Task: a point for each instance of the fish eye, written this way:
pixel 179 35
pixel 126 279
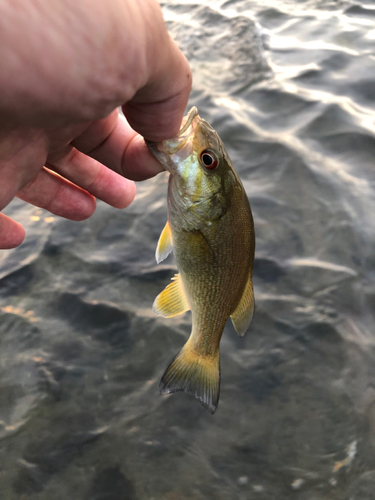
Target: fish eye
pixel 209 159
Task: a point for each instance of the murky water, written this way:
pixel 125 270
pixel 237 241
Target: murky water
pixel 290 88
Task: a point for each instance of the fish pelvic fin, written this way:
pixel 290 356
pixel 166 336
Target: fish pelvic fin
pixel 197 375
pixel 243 314
pixel 172 300
pixel 164 246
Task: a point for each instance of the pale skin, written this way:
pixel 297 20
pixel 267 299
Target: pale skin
pixel 66 68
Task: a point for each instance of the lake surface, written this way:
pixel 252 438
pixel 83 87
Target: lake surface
pixel 290 88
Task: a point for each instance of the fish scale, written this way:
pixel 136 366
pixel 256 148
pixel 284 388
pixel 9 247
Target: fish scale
pixel 210 229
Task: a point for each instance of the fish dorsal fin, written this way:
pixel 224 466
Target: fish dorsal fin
pixel 172 300
pixel 242 316
pixel 164 247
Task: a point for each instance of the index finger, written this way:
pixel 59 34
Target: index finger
pixel 112 142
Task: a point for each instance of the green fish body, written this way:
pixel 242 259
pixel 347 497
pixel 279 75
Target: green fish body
pixel 210 229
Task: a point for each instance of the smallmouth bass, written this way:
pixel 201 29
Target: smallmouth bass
pixel 210 229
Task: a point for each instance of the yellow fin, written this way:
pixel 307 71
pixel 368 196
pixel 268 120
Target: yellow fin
pixel 172 300
pixel 164 246
pixel 194 374
pixel 242 316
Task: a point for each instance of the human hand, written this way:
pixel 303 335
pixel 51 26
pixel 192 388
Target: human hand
pixel 73 128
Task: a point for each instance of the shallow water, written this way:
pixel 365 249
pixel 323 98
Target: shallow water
pixel 289 86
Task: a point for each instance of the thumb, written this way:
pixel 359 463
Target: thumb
pixel 157 109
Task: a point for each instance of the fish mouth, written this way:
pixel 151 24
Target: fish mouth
pixel 185 134
pixel 176 145
pixel 187 121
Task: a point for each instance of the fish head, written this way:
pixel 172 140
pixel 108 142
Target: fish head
pixel 196 159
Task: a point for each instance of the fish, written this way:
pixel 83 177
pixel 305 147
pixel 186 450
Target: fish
pixel 210 229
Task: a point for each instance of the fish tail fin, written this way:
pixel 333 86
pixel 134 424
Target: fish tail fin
pixel 195 374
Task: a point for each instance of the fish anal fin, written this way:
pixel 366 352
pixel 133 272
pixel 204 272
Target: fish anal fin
pixel 197 375
pixel 164 246
pixel 242 316
pixel 172 300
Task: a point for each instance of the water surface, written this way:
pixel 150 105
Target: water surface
pixel 289 86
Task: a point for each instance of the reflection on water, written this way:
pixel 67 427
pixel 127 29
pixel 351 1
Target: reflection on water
pixel 289 86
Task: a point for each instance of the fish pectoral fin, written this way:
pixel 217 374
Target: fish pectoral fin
pixel 164 246
pixel 172 300
pixel 197 375
pixel 242 316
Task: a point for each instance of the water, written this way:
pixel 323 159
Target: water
pixel 289 86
